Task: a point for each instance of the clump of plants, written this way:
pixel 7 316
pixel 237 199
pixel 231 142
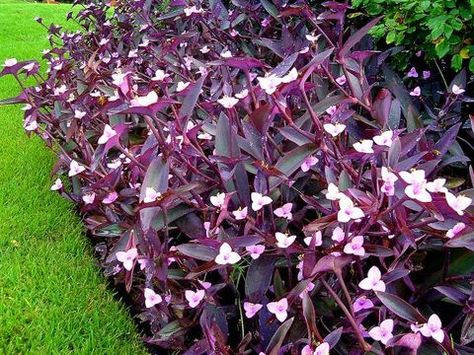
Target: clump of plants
pixel 441 29
pixel 256 182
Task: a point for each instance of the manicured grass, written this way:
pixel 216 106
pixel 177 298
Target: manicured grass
pixel 53 298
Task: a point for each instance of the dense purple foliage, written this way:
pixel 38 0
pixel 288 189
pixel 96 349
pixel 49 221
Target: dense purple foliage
pixel 259 180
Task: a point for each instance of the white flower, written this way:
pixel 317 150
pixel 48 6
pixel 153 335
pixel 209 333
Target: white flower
pixel 228 102
pixel 145 101
pixel 347 210
pixel 355 246
pixel 334 129
pixel 109 132
pixel 284 240
pixel 79 114
pixel 194 298
pixel 385 138
pixel 291 76
pixel 458 203
pixel 383 332
pixel 437 186
pixel 151 298
pixel 10 62
pixel 453 232
pixel 205 50
pixel 415 92
pixel 188 11
pixel 312 38
pixel 284 211
pixel 151 195
pixel 160 75
pixel 338 234
pixel 251 309
pixel 416 188
pixel 218 200
pixel 364 146
pixel 259 200
pixel 75 168
pixel 255 250
pixel 317 237
pixel 58 184
pixel 333 193
pixel 269 83
pixel 243 94
pixel 331 110
pixel 279 309
pixel 373 281
pixel 389 179
pixel 226 54
pixel 88 198
pixel 457 90
pixel 433 328
pixel 240 214
pixel 181 86
pixel 226 255
pixel 127 258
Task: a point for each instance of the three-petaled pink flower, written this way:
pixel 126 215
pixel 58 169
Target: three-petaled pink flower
pixel 284 211
pixel 338 234
pixel 259 200
pixel 317 238
pixel 160 75
pixel 226 255
pixel 144 101
pixel 88 198
pixel 355 246
pixel 389 180
pixel 228 101
pixel 457 90
pixel 181 86
pixel 279 309
pixel 269 83
pixel 383 332
pixel 58 185
pixel 433 328
pixel 321 349
pixel 373 281
pixel 362 303
pixel 151 195
pixel 331 110
pixel 412 73
pixel 333 192
pixel 75 168
pixel 110 198
pixel 218 200
pixel 364 146
pixel 10 62
pixel 426 74
pixel 188 11
pixel 415 92
pixel 284 240
pixel 194 298
pixel 453 232
pixel 341 80
pixel 437 185
pixel 385 138
pixel 308 163
pixel 458 203
pixel 241 213
pixel 151 298
pixel 109 132
pixel 255 250
pixel 251 309
pixel 334 129
pixel 127 258
pixel 347 210
pixel 416 188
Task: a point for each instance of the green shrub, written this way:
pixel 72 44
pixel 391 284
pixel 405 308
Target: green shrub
pixel 441 28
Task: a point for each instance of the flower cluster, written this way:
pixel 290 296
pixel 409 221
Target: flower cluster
pixel 238 165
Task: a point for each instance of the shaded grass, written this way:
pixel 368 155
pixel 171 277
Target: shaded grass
pixel 52 296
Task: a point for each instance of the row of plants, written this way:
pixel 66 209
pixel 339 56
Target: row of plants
pixel 259 180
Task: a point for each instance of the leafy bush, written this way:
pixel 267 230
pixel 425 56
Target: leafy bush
pixel 254 180
pixel 440 28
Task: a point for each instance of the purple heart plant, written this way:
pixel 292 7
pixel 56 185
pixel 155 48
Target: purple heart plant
pixel 259 180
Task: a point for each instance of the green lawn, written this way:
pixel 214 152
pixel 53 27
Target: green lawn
pixel 53 299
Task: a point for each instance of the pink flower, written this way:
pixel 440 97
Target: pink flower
pixel 255 250
pixel 437 186
pixel 31 126
pixel 127 258
pixel 251 309
pixel 226 256
pixel 458 203
pixel 151 195
pixel 291 76
pixel 284 211
pixel 110 198
pixel 181 86
pixel 75 168
pixel 458 228
pixel 284 240
pixel 226 54
pixel 338 234
pixel 347 210
pixel 333 192
pixel 10 62
pixel 312 37
pixel 457 90
pixel 415 92
pixel 362 303
pixel 188 11
pixel 308 289
pixel 341 80
pixel 207 228
pixel 373 281
pixel 228 101
pixel 58 185
pixel 322 349
pixel 385 138
pixel 416 188
pixel 426 74
pixel 355 246
pixel 389 179
pixel 269 83
pixel 145 101
pixel 279 309
pixel 88 198
pixel 79 114
pixel 433 329
pixel 240 214
pixel 334 129
pixel 364 146
pixel 160 75
pixel 265 22
pixel 194 298
pixel 218 200
pixel 243 94
pixel 205 285
pixel 317 237
pixel 109 132
pixel 412 73
pixel 331 110
pixel 383 332
pixel 308 163
pixel 259 200
pixel 151 298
